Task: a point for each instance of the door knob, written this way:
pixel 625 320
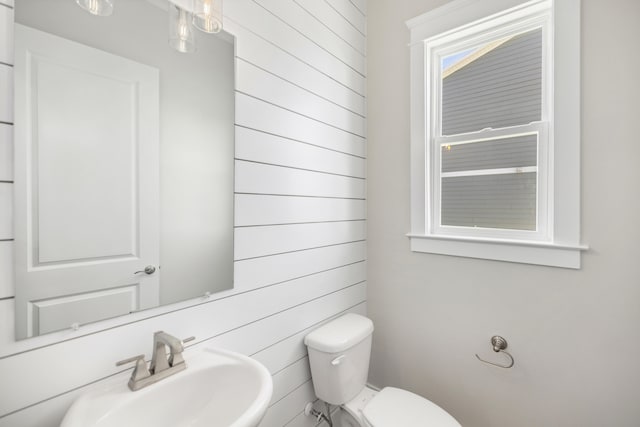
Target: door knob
pixel 149 269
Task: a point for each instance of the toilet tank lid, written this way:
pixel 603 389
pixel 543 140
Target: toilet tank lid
pixel 340 334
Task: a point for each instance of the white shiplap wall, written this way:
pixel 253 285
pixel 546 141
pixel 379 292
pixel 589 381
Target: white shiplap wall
pixel 299 214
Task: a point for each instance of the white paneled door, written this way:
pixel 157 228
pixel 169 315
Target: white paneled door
pixel 86 183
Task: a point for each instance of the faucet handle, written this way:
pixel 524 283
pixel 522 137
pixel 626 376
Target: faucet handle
pixel 140 371
pixel 175 358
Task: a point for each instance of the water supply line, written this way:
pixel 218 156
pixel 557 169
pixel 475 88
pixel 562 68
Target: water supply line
pixel 309 410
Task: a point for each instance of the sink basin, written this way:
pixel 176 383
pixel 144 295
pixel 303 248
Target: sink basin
pixel 218 389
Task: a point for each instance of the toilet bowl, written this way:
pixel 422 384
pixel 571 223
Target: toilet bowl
pixel 339 354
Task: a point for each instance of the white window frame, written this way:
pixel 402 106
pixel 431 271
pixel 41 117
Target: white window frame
pixel 460 23
pixel 508 24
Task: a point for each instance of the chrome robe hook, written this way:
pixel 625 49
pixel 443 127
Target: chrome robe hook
pixel 499 345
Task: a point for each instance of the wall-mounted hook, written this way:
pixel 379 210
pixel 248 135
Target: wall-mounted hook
pixel 499 345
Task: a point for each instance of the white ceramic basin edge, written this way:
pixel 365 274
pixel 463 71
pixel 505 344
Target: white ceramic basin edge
pixel 219 388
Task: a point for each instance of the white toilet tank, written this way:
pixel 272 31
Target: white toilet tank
pixel 339 354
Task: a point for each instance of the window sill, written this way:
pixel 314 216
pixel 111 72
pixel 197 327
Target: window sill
pixel 538 253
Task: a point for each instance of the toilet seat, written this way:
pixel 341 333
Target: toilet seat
pixel 396 407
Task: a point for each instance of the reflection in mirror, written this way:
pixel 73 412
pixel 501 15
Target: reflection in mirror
pixel 123 164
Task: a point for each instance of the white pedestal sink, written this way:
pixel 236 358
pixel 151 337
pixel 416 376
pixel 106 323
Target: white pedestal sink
pixel 218 389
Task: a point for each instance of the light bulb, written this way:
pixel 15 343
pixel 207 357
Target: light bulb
pixel 183 29
pixel 97 7
pixel 207 15
pixel 181 36
pixel 207 7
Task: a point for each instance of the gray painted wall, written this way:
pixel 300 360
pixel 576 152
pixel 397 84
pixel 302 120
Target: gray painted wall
pixel 574 334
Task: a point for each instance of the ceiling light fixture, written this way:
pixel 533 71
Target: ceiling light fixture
pixel 181 36
pixel 207 15
pixel 97 7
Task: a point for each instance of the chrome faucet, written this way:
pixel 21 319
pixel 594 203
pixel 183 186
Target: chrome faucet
pixel 159 361
pixel 160 366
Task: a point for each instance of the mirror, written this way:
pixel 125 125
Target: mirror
pixel 124 153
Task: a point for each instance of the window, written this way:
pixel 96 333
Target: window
pixel 496 131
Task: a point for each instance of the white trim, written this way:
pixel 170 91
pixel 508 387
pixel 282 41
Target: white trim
pixel 560 238
pixel 566 101
pixel 528 17
pixel 460 13
pixel 538 253
pixel 491 134
pixel 504 241
pixel 482 172
pixel 419 156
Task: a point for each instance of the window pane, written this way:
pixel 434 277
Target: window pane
pixel 519 151
pixel 494 86
pixel 506 201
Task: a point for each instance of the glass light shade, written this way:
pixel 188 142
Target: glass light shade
pixel 181 36
pixel 97 7
pixel 207 15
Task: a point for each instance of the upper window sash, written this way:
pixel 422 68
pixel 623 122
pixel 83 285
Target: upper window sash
pixel 441 46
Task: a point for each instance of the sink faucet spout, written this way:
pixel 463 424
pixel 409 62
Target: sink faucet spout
pixel 159 361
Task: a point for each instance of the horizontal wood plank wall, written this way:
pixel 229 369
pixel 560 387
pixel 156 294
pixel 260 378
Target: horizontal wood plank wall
pixel 6 174
pixel 6 270
pixel 350 11
pixel 6 152
pixel 6 211
pixel 6 33
pixel 300 214
pixel 342 28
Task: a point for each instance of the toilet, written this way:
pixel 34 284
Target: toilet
pixel 339 354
